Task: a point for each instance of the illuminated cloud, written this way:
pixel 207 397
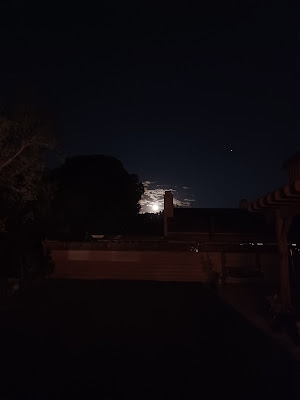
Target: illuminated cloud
pixel 147 183
pixel 186 203
pixel 154 195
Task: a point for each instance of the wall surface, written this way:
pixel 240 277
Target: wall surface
pixel 142 265
pixel 155 265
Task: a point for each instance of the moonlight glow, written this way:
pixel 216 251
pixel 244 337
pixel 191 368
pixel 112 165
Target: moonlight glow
pixel 155 207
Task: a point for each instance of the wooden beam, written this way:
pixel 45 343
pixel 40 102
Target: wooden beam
pixel 285 203
pixel 270 200
pixel 284 196
pixel 282 228
pixel 296 186
pixel 290 210
pixel 279 197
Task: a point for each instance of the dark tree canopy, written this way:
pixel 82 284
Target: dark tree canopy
pixel 23 142
pixel 96 194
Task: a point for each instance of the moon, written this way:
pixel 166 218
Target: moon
pixel 155 207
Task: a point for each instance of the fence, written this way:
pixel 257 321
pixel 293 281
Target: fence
pixel 165 261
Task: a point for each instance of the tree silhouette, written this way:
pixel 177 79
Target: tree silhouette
pixel 96 194
pixel 22 146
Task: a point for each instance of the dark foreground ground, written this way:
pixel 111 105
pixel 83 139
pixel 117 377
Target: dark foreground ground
pixel 135 340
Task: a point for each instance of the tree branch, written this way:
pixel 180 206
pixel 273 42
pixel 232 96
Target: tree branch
pixel 5 185
pixel 23 147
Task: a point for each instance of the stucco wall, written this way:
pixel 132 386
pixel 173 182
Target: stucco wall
pixel 153 265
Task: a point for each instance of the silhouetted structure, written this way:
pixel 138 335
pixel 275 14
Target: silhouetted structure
pixel 223 225
pixel 283 204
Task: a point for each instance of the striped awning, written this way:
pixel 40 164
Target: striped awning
pixel 286 197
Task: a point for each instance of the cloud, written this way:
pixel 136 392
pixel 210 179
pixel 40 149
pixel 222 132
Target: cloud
pixel 147 183
pixel 156 196
pixel 185 187
pixel 186 203
pixel 152 196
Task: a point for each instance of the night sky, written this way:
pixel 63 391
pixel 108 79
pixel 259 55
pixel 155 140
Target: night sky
pixel 198 100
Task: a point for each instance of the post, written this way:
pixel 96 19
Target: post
pixel 223 263
pixel 168 210
pixel 257 260
pixel 282 229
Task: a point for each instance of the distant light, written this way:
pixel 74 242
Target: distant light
pixel 260 244
pixel 231 150
pixel 294 244
pixel 155 207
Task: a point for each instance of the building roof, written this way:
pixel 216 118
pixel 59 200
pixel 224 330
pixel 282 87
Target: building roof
pixel 217 220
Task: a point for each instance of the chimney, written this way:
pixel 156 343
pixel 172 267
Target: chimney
pixel 243 204
pixel 168 210
pixel 292 166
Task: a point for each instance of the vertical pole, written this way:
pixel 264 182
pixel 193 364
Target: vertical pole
pixel 168 210
pixel 223 263
pixel 257 260
pixel 282 228
pixel 212 228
